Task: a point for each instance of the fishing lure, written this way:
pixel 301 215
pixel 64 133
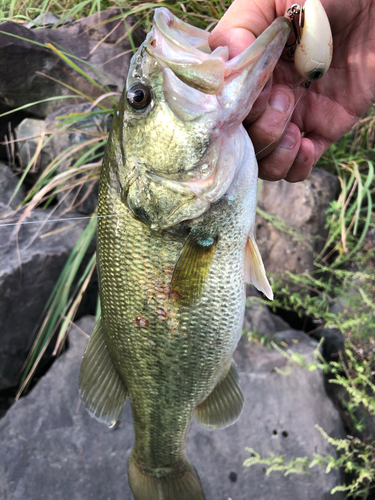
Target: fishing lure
pixel 312 48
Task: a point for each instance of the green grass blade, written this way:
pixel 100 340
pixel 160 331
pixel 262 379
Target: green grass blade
pixel 34 103
pixel 74 66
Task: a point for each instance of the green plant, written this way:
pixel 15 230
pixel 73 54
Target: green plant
pixel 354 456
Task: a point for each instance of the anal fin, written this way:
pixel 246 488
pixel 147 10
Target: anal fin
pixel 254 268
pixel 100 386
pixel 224 405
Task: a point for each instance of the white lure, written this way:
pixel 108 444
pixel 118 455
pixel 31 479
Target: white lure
pixel 313 54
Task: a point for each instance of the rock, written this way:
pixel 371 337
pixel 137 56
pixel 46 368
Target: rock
pixel 333 342
pixel 30 265
pixel 258 320
pixel 301 207
pixel 8 183
pixel 56 451
pixel 31 134
pixel 21 60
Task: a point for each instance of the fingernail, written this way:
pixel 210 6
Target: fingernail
pixel 279 101
pixel 288 141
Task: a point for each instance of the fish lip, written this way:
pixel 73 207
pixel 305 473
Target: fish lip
pixel 158 178
pixel 185 50
pixel 169 25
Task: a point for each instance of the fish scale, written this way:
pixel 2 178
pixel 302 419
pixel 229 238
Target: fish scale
pixel 180 175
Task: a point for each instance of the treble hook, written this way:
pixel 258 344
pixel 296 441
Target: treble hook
pixel 294 11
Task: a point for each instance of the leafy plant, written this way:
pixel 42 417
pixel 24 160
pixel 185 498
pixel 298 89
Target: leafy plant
pixel 354 456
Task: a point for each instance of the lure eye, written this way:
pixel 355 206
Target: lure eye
pixel 138 96
pixel 315 74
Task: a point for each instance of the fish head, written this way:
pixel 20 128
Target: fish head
pixel 177 119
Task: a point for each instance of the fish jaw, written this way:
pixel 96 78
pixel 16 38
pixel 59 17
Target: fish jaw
pixel 250 71
pixel 236 83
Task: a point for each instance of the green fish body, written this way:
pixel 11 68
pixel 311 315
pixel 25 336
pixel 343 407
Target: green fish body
pixel 177 207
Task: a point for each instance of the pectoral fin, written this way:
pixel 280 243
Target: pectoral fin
pixel 224 405
pixel 100 386
pixel 192 267
pixel 254 268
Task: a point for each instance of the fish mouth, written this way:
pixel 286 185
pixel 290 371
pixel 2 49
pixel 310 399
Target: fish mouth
pixel 185 36
pixel 185 50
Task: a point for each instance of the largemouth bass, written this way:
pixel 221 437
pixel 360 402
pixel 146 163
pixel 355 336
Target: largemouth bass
pixel 179 182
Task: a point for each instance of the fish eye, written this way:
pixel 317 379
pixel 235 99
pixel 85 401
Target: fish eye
pixel 138 96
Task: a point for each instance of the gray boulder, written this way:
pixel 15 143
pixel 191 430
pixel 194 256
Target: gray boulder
pixel 258 320
pixel 31 261
pixel 301 208
pixel 26 66
pixel 30 133
pixel 8 183
pixel 52 449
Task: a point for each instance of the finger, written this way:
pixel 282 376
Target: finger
pixel 277 164
pixel 320 144
pixel 237 40
pixel 243 22
pixel 260 105
pixel 267 131
pixel 311 149
pixel 304 162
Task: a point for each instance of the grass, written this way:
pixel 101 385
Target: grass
pixel 201 13
pixel 344 270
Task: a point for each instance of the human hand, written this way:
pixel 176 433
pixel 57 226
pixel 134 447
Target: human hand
pixel 325 111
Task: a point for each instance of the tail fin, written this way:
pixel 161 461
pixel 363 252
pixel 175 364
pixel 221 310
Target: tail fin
pixel 183 486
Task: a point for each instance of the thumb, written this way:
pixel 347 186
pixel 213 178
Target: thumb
pixel 243 22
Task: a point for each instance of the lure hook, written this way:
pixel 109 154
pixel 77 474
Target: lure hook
pixel 294 11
